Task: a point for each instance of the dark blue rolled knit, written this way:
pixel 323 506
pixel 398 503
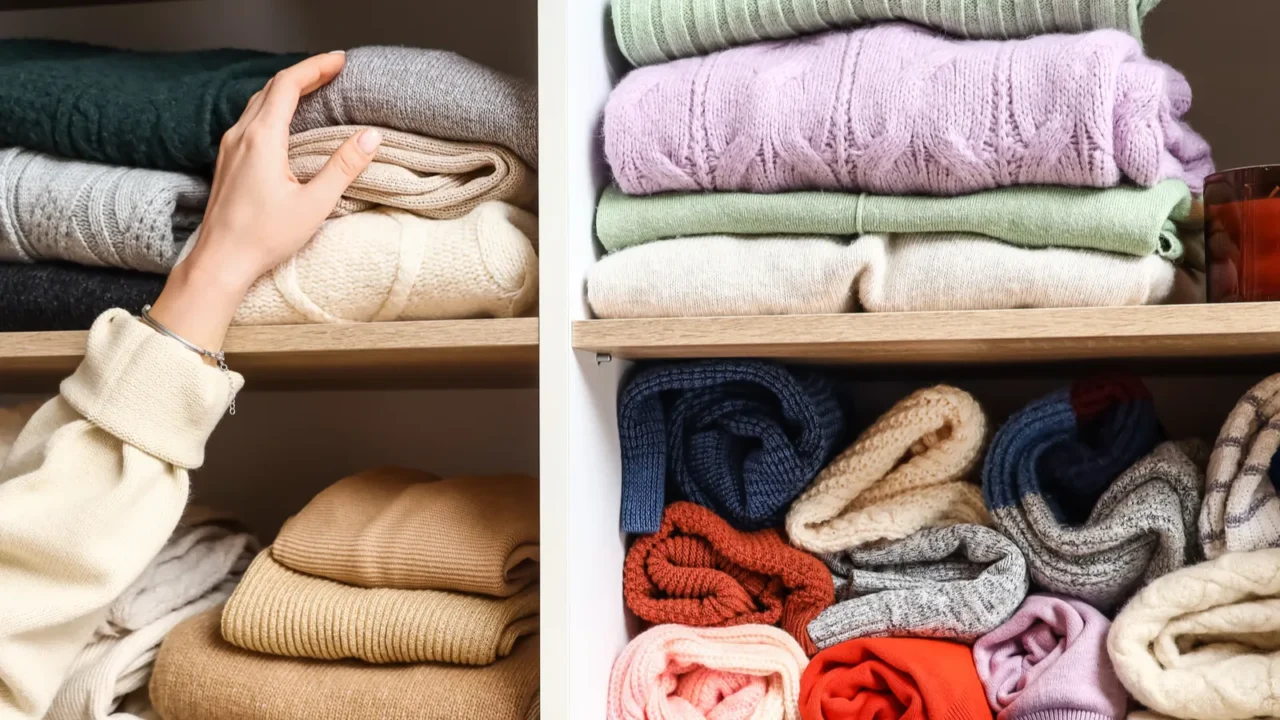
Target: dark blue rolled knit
pixel 1070 446
pixel 741 437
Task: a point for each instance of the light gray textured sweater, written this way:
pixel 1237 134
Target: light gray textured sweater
pixel 93 214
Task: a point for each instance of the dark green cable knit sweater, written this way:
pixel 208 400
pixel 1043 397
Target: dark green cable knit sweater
pixel 147 109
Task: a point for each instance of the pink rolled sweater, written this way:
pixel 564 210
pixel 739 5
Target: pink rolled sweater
pixel 898 109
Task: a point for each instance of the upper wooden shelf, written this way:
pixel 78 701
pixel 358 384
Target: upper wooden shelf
pixel 443 354
pixel 1245 330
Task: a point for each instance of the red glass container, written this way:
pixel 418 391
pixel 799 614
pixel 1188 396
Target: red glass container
pixel 1242 234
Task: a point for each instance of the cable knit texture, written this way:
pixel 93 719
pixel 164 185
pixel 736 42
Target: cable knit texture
pixel 747 672
pixel 893 679
pixel 392 527
pixel 697 570
pixel 278 611
pixel 1241 511
pixel 741 437
pixel 654 31
pixel 93 214
pixel 896 109
pixel 59 296
pixel 721 275
pixel 908 471
pixel 1049 662
pixel 433 178
pixel 199 676
pixel 1200 643
pixel 959 581
pixel 433 93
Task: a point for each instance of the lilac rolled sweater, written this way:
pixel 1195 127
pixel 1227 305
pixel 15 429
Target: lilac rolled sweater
pixel 1049 662
pixel 897 109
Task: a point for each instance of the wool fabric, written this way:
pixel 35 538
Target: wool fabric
pixel 736 673
pixel 1049 661
pixel 655 31
pixel 161 110
pixel 59 296
pixel 94 214
pixel 199 676
pixel 741 437
pixel 1126 220
pixel 1200 642
pixel 392 527
pixel 893 679
pixel 906 472
pixel 433 93
pixel 722 276
pixel 433 178
pixel 899 110
pixel 1240 510
pixel 279 611
pixel 697 570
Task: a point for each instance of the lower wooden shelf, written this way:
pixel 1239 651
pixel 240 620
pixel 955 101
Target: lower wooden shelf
pixel 439 354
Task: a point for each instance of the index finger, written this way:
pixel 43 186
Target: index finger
pixel 288 87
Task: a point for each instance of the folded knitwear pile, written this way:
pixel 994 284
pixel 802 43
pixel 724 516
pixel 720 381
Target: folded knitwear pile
pixel 778 157
pixel 1068 563
pixel 106 156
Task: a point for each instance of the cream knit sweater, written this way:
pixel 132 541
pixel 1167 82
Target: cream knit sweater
pixel 90 492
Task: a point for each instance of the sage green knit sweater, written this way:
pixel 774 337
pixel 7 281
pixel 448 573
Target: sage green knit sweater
pixel 654 31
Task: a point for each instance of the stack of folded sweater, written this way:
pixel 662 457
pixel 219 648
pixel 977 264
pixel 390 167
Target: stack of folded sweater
pixel 890 167
pixel 106 156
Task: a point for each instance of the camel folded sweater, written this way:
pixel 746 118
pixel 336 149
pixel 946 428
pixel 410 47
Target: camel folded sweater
pixel 654 31
pixel 721 275
pixel 199 676
pixel 60 296
pixel 94 214
pixel 433 178
pixel 1241 510
pixel 896 109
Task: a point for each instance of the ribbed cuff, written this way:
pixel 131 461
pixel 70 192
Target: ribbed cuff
pixel 1065 714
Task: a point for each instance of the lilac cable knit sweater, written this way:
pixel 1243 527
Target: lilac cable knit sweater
pixel 897 109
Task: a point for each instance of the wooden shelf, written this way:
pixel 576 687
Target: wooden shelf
pixel 1185 332
pixel 443 354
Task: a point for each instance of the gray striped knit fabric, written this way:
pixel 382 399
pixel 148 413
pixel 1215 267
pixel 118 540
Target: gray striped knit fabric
pixel 1241 511
pixel 959 582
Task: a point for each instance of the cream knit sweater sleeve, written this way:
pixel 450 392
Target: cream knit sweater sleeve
pixel 93 486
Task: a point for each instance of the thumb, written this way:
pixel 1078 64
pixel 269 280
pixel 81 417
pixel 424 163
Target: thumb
pixel 344 167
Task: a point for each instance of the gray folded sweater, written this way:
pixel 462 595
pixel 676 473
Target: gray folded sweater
pixel 435 93
pixel 93 214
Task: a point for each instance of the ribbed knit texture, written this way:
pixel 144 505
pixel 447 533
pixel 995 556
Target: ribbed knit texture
pixel 278 611
pixel 163 110
pixel 697 570
pixel 892 679
pixel 896 109
pixel 957 582
pixel 1050 661
pixel 57 296
pixel 392 527
pixel 1241 511
pixel 434 93
pixel 199 676
pixel 721 275
pixel 433 178
pixel 741 437
pixel 1201 643
pixel 93 214
pixel 654 31
pixel 747 672
pixel 908 471
pixel 1127 220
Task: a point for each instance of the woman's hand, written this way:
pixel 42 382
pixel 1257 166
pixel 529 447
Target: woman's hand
pixel 259 215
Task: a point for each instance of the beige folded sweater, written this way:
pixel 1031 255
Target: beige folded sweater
pixel 278 611
pixel 199 676
pixel 397 528
pixel 433 178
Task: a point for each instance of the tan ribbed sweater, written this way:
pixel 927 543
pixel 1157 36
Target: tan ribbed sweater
pixel 198 676
pixel 279 611
pixel 397 528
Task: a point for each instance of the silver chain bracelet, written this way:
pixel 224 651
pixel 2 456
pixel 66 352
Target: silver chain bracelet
pixel 218 357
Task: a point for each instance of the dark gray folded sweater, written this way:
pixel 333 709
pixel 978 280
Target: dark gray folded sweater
pixel 58 296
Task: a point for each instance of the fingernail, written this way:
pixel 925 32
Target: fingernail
pixel 337 52
pixel 369 140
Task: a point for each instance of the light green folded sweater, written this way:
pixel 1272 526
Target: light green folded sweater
pixel 1128 220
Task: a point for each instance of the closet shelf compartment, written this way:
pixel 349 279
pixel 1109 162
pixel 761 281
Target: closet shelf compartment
pixel 500 353
pixel 989 337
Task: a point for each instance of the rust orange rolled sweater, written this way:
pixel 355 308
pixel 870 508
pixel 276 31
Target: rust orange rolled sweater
pixel 697 570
